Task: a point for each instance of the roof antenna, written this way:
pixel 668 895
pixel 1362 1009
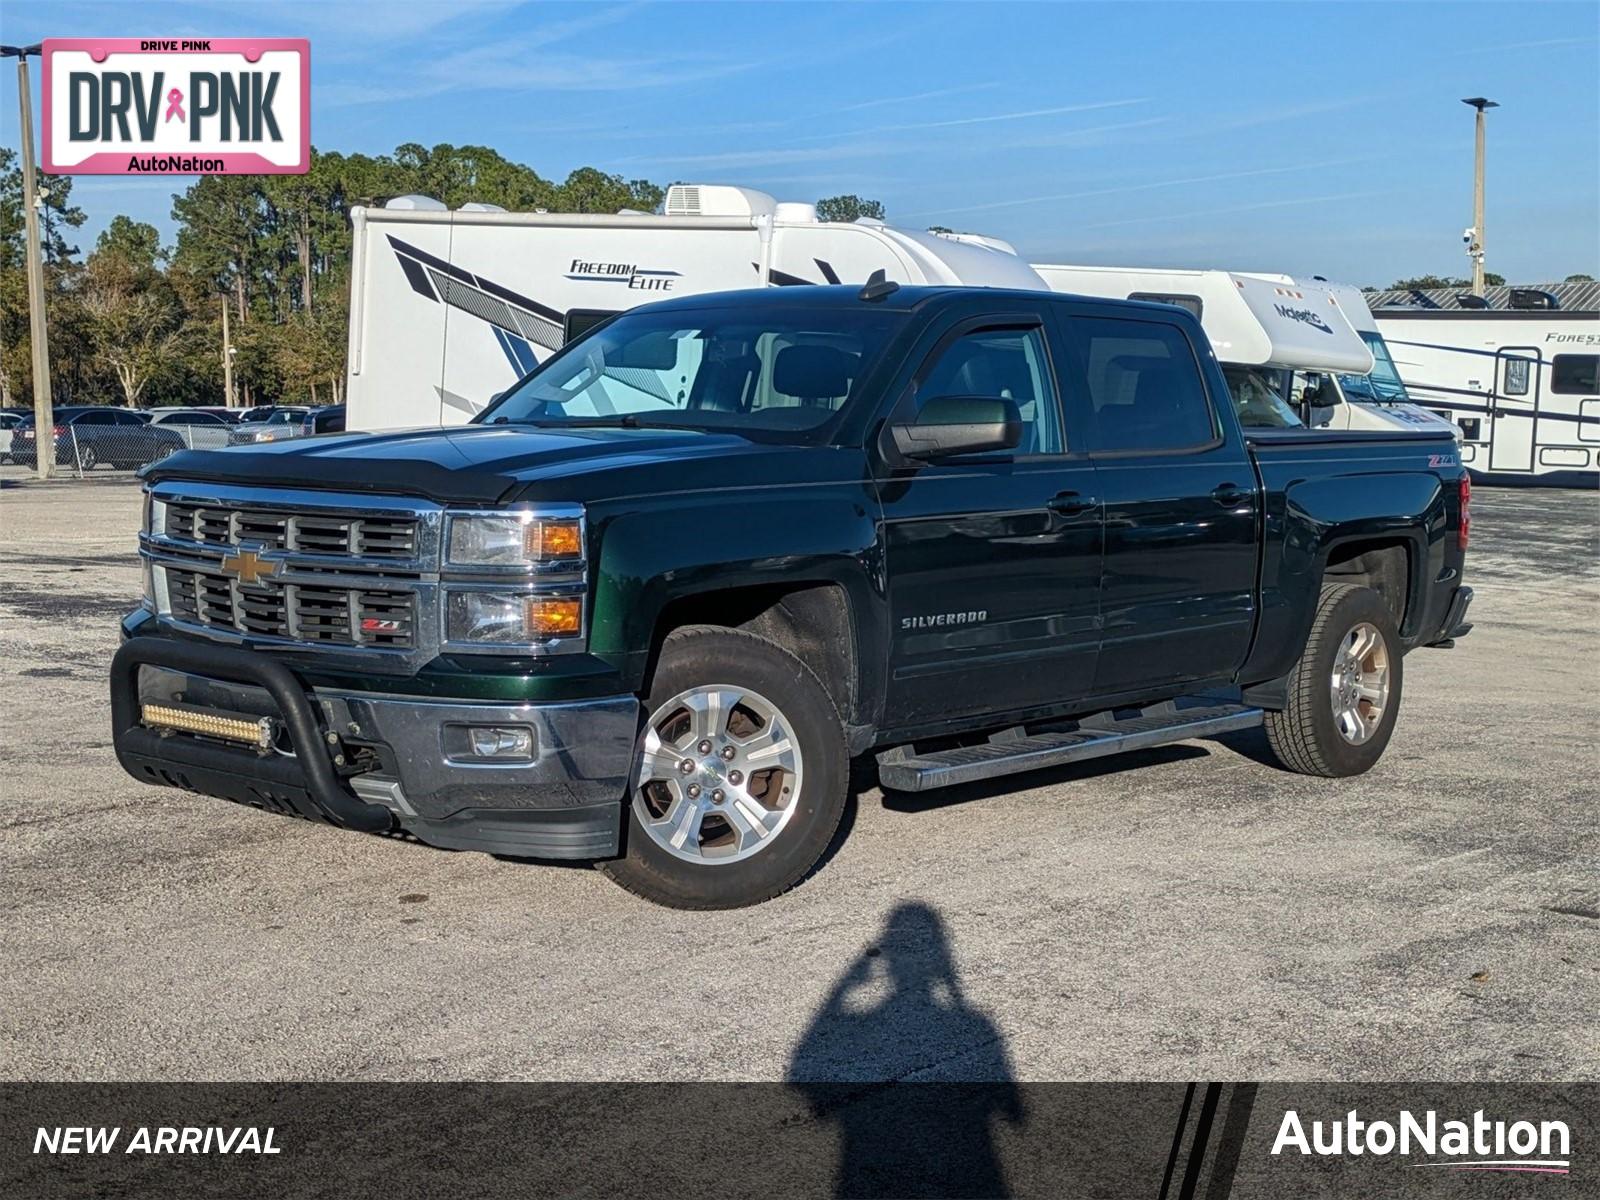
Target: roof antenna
pixel 878 286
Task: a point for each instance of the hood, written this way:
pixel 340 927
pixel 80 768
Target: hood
pixel 473 464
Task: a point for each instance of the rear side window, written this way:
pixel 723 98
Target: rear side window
pixel 1145 387
pixel 1575 374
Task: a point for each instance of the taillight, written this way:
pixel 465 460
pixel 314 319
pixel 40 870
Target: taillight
pixel 1465 530
pixel 59 431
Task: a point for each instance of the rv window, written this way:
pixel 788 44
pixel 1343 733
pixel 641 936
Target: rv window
pixel 1145 387
pixel 1191 303
pixel 1516 383
pixel 1575 374
pixel 1258 395
pixel 1383 385
pixel 579 321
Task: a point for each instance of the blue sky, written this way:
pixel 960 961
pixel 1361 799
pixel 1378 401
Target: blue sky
pixel 1299 137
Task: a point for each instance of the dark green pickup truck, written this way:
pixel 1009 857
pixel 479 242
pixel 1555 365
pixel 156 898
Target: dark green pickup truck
pixel 646 609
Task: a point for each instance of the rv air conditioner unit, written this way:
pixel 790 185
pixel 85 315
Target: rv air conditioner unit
pixel 716 200
pixel 479 206
pixel 415 203
pixel 1533 298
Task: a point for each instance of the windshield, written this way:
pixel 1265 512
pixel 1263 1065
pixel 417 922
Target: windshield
pixel 284 416
pixel 1258 397
pixel 777 375
pixel 1383 386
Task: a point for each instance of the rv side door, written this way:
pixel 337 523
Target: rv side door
pixel 1514 408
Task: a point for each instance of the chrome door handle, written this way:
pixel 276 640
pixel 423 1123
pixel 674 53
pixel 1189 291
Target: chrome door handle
pixel 1229 495
pixel 1071 503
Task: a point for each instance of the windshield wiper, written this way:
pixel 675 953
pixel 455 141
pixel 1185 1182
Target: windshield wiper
pixel 618 421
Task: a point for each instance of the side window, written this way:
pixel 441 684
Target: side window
pixel 1005 363
pixel 1193 304
pixel 1145 387
pixel 94 418
pixel 1516 377
pixel 126 418
pixel 1575 374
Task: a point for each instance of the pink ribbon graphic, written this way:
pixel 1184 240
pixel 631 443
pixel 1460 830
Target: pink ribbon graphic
pixel 175 105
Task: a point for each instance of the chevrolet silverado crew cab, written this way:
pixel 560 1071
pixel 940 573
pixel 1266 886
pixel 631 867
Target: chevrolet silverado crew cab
pixel 648 606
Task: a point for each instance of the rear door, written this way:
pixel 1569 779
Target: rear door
pixel 993 560
pixel 1177 597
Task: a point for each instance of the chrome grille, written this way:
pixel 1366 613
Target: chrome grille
pixel 365 536
pixel 342 616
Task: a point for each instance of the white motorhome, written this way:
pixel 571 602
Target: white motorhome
pixel 449 308
pixel 1284 346
pixel 1522 385
pixel 1377 399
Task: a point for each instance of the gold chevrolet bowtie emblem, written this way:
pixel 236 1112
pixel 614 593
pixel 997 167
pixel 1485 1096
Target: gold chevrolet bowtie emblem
pixel 249 567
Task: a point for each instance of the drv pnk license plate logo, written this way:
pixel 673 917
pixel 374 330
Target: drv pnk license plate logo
pixel 192 106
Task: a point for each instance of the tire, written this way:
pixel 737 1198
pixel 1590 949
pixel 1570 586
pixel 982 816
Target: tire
pixel 796 795
pixel 1334 736
pixel 88 460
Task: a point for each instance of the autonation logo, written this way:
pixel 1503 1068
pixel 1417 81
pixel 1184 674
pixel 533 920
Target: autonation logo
pixel 1477 1145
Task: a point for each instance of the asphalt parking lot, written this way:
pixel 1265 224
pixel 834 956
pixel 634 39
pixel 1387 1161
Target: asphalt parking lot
pixel 1187 912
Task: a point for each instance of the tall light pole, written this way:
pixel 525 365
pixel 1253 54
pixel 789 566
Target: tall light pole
pixel 43 411
pixel 1475 240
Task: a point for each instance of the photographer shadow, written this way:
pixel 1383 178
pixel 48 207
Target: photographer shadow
pixel 912 1075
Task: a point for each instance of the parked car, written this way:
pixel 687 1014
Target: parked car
pixel 90 436
pixel 649 605
pixel 329 419
pixel 10 418
pixel 281 423
pixel 200 428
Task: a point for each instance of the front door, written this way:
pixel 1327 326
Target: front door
pixel 993 560
pixel 1517 376
pixel 1181 505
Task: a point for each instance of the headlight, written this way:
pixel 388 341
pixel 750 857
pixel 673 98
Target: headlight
pixel 490 618
pixel 154 518
pixel 514 541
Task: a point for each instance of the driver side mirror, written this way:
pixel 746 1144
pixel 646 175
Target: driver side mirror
pixel 949 425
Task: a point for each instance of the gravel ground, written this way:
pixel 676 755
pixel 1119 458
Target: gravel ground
pixel 1182 913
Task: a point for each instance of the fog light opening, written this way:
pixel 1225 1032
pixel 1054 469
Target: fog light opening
pixel 500 741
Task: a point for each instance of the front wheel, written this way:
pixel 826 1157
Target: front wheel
pixel 1344 693
pixel 740 774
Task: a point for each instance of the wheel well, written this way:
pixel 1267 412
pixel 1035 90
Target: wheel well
pixel 1385 567
pixel 811 621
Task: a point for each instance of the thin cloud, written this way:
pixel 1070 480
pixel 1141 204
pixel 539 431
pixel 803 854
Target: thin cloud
pixel 1136 187
pixel 1025 115
pixel 1189 215
pixel 1093 135
pixel 1497 47
pixel 916 96
pixel 746 158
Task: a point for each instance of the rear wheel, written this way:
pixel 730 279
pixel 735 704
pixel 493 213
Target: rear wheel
pixel 1344 694
pixel 740 775
pixel 87 458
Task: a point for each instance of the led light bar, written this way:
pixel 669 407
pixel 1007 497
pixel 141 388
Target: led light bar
pixel 255 732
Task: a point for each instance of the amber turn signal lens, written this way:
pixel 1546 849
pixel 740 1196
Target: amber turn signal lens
pixel 553 539
pixel 554 618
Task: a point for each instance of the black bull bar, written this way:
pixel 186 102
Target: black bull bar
pixel 306 780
